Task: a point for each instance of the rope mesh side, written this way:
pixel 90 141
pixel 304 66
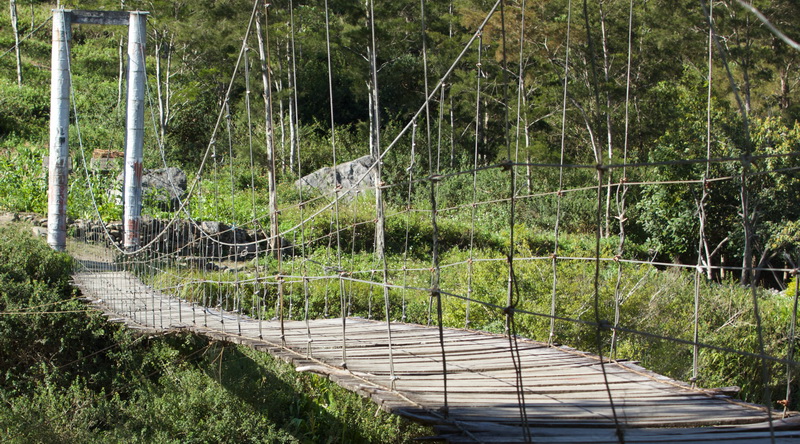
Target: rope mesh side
pixel 319 268
pixel 473 209
pixel 558 195
pixel 622 191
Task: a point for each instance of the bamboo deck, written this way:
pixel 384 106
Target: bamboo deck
pixel 568 399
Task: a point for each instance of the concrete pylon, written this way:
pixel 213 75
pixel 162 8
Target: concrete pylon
pixel 134 138
pixel 58 169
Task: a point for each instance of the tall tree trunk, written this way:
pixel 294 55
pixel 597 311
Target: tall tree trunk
pixel 278 82
pixel 702 206
pixel 168 87
pixel 748 218
pixel 163 50
pixel 163 74
pixel 375 138
pixel 745 67
pixel 452 133
pixel 450 96
pixel 13 7
pixel 784 100
pixel 281 118
pixel 292 111
pixel 274 237
pixel 292 135
pixel 526 132
pixel 121 76
pixel 609 134
pixel 263 54
pixel 485 128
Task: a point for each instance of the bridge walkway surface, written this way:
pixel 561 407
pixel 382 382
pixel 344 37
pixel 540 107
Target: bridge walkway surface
pixel 566 394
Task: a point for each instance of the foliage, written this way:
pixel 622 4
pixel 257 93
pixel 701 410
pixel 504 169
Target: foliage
pixel 791 288
pixel 23 178
pixel 69 376
pixel 658 111
pixel 668 92
pixel 24 110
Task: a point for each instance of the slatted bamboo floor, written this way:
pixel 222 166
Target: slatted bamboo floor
pixel 567 397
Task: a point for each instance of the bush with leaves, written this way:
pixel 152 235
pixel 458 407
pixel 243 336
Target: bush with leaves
pixel 66 375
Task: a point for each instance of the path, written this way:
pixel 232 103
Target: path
pixel 564 389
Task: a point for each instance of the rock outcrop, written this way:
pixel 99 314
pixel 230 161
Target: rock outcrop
pixel 163 186
pixel 356 175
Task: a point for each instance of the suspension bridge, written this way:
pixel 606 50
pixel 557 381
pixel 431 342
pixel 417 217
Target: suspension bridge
pixel 293 281
pixel 464 382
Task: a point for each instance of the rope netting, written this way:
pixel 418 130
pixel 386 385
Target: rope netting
pixel 498 244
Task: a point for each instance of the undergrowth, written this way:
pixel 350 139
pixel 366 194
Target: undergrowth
pixel 67 375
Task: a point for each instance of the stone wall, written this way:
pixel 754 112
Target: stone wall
pixel 207 239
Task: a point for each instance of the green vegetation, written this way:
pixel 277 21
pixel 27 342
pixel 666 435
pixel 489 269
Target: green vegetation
pixel 70 376
pixel 192 48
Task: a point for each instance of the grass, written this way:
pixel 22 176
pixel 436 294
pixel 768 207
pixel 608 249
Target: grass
pixel 69 376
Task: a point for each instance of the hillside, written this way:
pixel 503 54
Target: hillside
pixel 597 135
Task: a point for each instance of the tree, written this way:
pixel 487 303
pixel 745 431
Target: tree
pixel 13 7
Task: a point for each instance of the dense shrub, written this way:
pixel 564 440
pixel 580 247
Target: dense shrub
pixel 66 375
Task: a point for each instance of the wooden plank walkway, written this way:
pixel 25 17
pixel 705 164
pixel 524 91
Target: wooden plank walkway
pixel 565 391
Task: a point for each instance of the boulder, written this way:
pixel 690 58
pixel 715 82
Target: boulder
pixel 224 233
pixel 356 175
pixel 163 186
pixel 224 239
pixel 212 228
pixel 166 186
